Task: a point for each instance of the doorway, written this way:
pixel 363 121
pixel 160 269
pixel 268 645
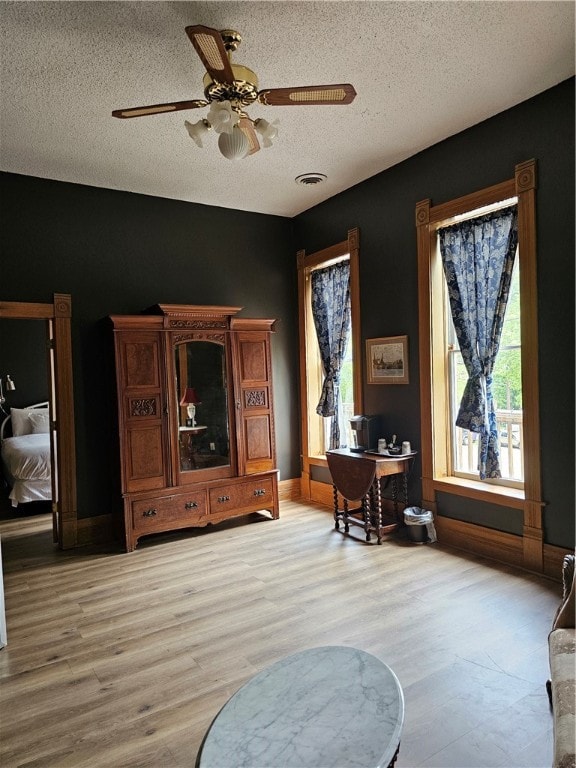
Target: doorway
pixel 57 316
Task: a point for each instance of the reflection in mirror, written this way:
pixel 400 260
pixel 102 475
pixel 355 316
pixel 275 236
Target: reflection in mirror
pixel 203 405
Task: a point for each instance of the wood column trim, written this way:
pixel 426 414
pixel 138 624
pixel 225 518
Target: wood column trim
pixel 423 238
pixel 64 397
pixel 354 250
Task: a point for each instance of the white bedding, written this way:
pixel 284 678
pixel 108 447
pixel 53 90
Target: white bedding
pixel 26 461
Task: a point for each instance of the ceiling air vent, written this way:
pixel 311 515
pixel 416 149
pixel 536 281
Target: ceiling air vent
pixel 310 178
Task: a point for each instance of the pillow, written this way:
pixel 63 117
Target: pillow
pixel 40 422
pixel 21 424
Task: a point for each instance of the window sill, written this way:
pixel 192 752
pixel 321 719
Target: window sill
pixel 474 489
pixel 318 461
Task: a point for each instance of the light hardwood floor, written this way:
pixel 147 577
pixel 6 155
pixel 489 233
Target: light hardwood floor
pixel 123 660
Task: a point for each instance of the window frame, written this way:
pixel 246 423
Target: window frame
pixel 306 264
pixel 433 394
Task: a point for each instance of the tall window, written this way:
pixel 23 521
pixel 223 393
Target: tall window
pixel 478 255
pixel 330 296
pixel 448 454
pixel 319 432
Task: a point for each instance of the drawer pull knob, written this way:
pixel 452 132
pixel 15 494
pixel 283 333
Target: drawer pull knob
pixel 149 513
pixel 190 505
pixel 259 492
pixel 221 499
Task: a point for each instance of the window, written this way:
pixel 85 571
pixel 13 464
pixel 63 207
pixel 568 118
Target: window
pixel 443 470
pixel 506 381
pixel 315 428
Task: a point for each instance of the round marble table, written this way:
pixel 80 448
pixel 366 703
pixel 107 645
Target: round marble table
pixel 329 707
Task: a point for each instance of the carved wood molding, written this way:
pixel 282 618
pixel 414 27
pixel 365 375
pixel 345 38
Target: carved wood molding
pixel 354 239
pixel 422 212
pixel 62 305
pixel 198 324
pixel 525 176
pixel 198 336
pixel 255 398
pixel 145 406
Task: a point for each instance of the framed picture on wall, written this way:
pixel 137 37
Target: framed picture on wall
pixel 387 360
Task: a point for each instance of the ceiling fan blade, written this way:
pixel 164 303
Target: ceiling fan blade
pixel 210 47
pixel 340 93
pixel 247 129
pixel 157 109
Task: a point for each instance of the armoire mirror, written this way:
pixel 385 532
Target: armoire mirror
pixel 58 339
pixel 202 391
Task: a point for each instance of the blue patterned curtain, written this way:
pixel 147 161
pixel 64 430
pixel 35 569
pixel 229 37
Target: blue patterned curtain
pixel 331 312
pixel 478 257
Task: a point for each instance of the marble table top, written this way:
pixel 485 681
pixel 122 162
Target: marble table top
pixel 328 707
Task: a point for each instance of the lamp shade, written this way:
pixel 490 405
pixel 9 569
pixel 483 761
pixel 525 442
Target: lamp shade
pixel 190 397
pixel 267 130
pixel 233 145
pixel 197 131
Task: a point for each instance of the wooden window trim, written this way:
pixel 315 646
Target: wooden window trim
pixel 306 263
pixel 433 410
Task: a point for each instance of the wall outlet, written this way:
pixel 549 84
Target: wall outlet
pixel 212 447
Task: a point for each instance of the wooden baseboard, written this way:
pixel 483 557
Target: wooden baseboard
pixel 290 490
pixel 497 545
pixel 321 493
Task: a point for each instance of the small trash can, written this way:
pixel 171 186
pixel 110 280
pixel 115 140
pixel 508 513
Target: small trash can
pixel 420 525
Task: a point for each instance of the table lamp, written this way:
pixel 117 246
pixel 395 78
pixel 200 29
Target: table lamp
pixel 190 399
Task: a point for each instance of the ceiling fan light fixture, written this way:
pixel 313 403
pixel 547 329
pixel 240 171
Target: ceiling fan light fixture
pixel 267 130
pixel 197 131
pixel 233 145
pixel 229 88
pixel 222 117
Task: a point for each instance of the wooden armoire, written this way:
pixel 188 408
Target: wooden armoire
pixel 196 417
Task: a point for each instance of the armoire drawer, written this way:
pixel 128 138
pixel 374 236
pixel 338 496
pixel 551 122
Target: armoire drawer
pixel 245 496
pixel 168 511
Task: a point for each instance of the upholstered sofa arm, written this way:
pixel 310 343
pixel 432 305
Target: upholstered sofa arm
pixel 562 688
pixel 564 618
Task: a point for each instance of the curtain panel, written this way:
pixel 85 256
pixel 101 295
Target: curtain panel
pixel 478 258
pixel 331 312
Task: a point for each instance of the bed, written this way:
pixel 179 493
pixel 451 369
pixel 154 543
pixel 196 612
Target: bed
pixel 25 451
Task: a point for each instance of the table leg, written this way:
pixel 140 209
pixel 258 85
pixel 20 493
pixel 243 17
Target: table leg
pixel 336 523
pixel 395 495
pixel 366 514
pixel 378 510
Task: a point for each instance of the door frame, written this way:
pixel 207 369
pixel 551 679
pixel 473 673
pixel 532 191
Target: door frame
pixel 58 316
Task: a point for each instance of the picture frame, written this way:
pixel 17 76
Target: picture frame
pixel 387 360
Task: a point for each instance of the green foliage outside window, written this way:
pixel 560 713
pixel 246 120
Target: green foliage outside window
pixel 506 377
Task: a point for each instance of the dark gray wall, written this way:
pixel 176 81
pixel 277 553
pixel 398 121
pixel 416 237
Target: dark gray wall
pixel 383 209
pixel 118 253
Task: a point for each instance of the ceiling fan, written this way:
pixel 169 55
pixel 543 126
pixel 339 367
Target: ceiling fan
pixel 229 88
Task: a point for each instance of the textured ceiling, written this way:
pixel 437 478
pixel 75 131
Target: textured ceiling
pixel 422 70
